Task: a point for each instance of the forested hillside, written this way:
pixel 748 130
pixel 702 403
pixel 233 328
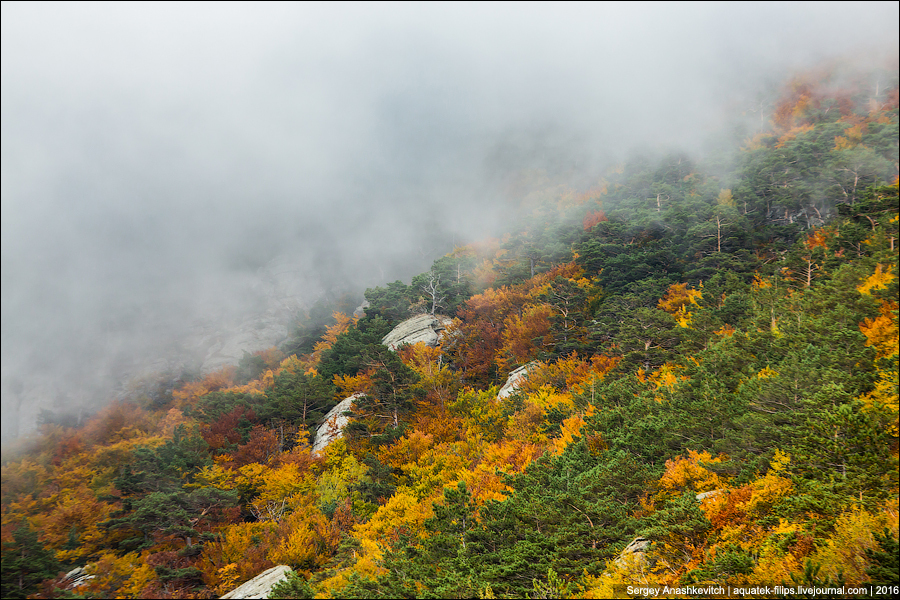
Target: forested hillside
pixel 713 369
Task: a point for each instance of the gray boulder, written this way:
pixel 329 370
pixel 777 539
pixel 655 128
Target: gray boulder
pixel 635 553
pixel 710 494
pixel 421 328
pixel 75 578
pixel 261 585
pixel 515 378
pixel 333 426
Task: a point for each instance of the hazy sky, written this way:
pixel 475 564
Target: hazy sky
pixel 154 155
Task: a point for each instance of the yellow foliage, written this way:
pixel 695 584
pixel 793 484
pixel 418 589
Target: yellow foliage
pixel 767 373
pixel 547 398
pixel 770 488
pixel 845 550
pixel 683 472
pixel 480 411
pixel 759 283
pixel 878 280
pixel 882 332
pixel 408 449
pixel 402 510
pixel 677 300
pixel 229 577
pixel 439 466
pixel 238 554
pixel 292 364
pixel 366 565
pixel 214 476
pixel 307 539
pixel 572 373
pixel 725 198
pixel 118 576
pixel 885 397
pixel 284 482
pixel 667 377
pixel 353 384
pixel 334 484
pixel 570 429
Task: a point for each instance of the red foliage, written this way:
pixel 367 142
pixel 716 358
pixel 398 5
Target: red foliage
pixel 260 448
pixel 224 431
pixel 593 218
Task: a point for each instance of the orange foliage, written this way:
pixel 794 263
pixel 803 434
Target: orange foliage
pixel 116 422
pixel 817 239
pixel 238 554
pixel 188 394
pixel 593 218
pixel 168 423
pixel 882 332
pixel 76 510
pixel 689 472
pixel 572 373
pixel 475 341
pixel 525 336
pixel 725 331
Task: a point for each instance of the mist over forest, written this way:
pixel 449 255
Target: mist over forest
pixel 157 160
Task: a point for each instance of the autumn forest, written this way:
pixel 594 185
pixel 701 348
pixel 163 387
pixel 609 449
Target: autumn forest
pixel 712 369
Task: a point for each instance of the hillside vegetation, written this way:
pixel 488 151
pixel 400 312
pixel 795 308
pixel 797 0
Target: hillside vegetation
pixel 714 368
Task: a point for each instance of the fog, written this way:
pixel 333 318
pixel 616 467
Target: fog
pixel 159 159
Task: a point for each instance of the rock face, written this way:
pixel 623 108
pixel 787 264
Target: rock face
pixel 261 585
pixel 514 379
pixel 710 494
pixel 333 427
pixel 76 577
pixel 421 328
pixel 635 553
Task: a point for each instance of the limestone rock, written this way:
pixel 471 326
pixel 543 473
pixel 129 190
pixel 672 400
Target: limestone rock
pixel 421 328
pixel 261 585
pixel 76 577
pixel 333 426
pixel 514 379
pixel 710 494
pixel 635 553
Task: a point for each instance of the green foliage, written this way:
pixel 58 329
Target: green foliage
pixel 26 563
pixel 299 398
pixel 345 357
pixel 885 560
pixel 294 586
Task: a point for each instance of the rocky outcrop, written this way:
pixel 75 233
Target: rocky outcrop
pixel 333 426
pixel 261 585
pixel 514 379
pixel 710 494
pixel 75 578
pixel 421 328
pixel 635 553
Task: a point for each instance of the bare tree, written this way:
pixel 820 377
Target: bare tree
pixel 432 290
